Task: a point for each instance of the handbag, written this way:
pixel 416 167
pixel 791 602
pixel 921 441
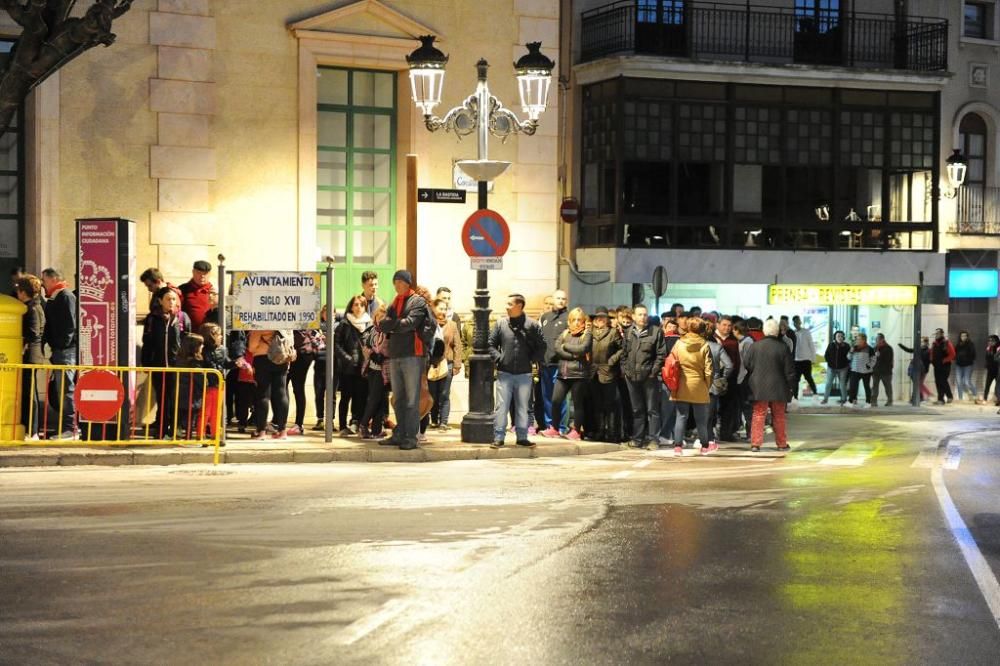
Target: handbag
pixel 438 371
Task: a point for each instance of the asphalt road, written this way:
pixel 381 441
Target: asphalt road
pixel 838 552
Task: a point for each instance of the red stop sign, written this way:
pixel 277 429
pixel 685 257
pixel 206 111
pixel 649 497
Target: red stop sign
pixel 99 396
pixel 569 211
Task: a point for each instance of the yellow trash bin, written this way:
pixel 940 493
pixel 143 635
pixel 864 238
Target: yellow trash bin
pixel 11 347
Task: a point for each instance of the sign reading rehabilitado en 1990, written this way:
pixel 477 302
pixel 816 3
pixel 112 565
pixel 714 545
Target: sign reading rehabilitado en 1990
pixel 276 300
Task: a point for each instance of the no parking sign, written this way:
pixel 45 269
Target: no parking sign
pixel 486 237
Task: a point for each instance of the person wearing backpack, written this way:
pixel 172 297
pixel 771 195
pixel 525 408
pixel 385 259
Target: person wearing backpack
pixel 273 352
pixel 405 325
pixel 694 361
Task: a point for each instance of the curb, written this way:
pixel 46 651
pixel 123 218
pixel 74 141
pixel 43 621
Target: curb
pixel 120 457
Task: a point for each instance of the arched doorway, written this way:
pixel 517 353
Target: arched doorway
pixel 974 207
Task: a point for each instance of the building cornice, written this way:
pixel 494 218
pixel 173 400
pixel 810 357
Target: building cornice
pixel 656 67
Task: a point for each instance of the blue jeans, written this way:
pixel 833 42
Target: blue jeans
pixel 963 381
pixel 58 389
pixel 547 378
pixel 645 399
pixel 516 388
pixel 405 374
pixel 441 392
pixel 668 413
pixel 700 410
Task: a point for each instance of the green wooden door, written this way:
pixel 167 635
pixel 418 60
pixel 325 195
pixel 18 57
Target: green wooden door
pixel 356 175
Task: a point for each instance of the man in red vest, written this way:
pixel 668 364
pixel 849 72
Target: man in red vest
pixel 196 294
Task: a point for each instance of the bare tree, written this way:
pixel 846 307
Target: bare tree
pixel 53 34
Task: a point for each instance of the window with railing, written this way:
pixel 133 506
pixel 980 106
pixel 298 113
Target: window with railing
pixel 820 32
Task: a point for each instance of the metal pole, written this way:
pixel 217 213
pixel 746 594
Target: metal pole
pixel 330 356
pixel 477 425
pixel 221 402
pixel 915 393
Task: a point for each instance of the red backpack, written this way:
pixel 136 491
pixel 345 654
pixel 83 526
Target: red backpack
pixel 671 372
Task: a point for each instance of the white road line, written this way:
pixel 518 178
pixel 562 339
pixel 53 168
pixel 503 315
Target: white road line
pixel 363 626
pixel 622 474
pixel 981 570
pixel 643 463
pixel 953 457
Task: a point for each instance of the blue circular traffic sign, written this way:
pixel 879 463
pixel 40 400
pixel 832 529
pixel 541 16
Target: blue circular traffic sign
pixel 485 234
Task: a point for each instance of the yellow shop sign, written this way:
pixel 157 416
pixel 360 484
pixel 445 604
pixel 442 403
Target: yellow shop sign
pixel 841 294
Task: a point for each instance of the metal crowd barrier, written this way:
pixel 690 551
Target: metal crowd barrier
pixel 188 404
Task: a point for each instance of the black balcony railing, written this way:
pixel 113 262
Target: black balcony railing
pixel 978 211
pixel 715 31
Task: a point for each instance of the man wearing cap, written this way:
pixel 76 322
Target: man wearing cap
pixel 196 294
pixel 403 321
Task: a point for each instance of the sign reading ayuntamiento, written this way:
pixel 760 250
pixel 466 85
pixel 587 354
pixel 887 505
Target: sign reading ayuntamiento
pixel 270 300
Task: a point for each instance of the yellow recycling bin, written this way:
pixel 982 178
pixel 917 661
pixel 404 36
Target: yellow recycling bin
pixel 11 348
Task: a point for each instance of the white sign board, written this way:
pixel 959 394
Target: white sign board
pixel 265 300
pixel 487 263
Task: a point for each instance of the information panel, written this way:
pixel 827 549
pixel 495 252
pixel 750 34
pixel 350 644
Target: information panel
pixel 272 300
pixel 841 294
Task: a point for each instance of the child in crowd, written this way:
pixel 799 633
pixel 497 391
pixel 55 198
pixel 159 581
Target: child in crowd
pixel 192 388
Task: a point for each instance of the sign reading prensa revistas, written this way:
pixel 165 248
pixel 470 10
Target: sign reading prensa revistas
pixel 266 301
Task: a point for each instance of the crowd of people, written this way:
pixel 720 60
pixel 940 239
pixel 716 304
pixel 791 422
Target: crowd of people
pixel 687 379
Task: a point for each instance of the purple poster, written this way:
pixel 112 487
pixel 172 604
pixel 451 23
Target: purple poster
pixel 98 287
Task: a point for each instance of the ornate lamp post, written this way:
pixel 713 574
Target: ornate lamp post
pixel 484 114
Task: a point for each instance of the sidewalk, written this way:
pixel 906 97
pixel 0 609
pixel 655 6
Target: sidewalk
pixel 308 448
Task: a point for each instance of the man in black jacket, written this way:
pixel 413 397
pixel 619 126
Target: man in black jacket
pixel 404 318
pixel 771 369
pixel 642 359
pixel 553 324
pixel 61 337
pixel 515 343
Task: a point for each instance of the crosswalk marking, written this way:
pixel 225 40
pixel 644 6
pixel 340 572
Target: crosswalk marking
pixel 852 454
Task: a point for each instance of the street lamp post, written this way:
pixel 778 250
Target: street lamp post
pixel 484 114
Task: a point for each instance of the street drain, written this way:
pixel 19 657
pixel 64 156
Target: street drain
pixel 203 472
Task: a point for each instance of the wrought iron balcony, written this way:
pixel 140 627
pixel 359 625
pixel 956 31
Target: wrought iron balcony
pixel 727 32
pixel 978 212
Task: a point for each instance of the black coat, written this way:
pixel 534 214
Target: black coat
pixel 33 331
pixel 161 339
pixel 836 355
pixel 553 324
pixel 772 370
pixel 643 353
pixel 347 342
pixel 574 355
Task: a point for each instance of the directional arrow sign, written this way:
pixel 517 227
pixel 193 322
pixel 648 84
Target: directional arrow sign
pixel 428 195
pixel 485 234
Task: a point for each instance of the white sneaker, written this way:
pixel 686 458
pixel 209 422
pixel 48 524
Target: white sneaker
pixel 696 445
pixel 867 405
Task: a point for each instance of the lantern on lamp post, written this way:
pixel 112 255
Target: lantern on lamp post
pixel 483 113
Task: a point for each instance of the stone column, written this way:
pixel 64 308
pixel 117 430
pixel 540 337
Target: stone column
pixel 183 161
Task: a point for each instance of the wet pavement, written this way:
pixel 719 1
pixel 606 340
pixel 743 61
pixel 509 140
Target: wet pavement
pixel 838 552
